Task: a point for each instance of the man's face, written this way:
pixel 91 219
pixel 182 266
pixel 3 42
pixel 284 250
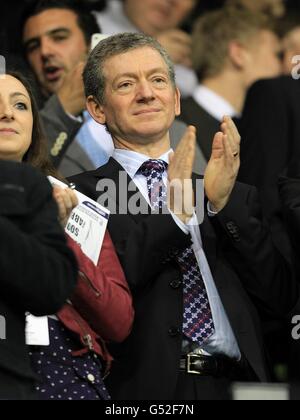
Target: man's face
pixel 158 15
pixel 263 57
pixel 140 99
pixel 54 45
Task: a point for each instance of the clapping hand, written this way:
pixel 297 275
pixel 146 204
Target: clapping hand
pixel 180 191
pixel 222 170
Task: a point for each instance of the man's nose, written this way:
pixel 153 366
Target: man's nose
pixel 47 49
pixel 145 91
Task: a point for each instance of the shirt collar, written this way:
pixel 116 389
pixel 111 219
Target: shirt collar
pixel 213 103
pixel 132 161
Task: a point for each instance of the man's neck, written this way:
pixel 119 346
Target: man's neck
pixel 153 149
pixel 228 86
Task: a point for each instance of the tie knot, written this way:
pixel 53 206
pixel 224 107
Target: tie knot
pixel 153 165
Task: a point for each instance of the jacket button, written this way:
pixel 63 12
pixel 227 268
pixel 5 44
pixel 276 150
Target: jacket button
pixel 174 332
pixel 230 226
pixel 91 378
pixel 176 284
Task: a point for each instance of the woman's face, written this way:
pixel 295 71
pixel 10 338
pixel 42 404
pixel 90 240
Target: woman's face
pixel 16 120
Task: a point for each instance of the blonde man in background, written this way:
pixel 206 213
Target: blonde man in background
pixel 232 48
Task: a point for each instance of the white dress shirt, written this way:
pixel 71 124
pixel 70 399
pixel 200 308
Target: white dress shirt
pixel 223 341
pixel 113 21
pixel 213 103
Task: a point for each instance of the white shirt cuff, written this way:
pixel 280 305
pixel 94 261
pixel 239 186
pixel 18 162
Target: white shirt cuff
pixel 210 212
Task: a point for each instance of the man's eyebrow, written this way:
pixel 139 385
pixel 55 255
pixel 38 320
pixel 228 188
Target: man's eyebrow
pixel 53 32
pixel 134 75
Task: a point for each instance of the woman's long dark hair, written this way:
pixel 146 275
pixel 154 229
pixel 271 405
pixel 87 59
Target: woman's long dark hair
pixel 37 154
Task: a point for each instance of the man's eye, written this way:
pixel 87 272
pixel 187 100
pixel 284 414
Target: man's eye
pixel 159 80
pixel 59 38
pixel 124 85
pixel 32 47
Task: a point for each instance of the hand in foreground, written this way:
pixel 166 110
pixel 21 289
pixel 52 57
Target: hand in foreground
pixel 180 188
pixel 66 200
pixel 222 169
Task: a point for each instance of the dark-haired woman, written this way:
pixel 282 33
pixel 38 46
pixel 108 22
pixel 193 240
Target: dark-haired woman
pixel 100 310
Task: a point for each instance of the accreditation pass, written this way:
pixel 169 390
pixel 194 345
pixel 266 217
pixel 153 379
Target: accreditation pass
pixel 87 224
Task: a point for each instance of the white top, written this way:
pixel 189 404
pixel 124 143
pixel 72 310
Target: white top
pixel 213 103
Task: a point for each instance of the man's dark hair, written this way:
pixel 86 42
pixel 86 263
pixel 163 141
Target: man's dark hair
pixel 86 20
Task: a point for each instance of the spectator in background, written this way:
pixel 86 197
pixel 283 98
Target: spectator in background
pixel 231 50
pixel 161 19
pixel 100 309
pixel 273 8
pixel 56 38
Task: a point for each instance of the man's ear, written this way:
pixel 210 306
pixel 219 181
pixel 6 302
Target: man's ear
pixel 177 102
pixel 237 54
pixel 96 110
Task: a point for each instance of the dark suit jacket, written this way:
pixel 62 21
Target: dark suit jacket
pixel 289 192
pixel 245 267
pixel 289 188
pixel 37 269
pixel 207 126
pixel 270 130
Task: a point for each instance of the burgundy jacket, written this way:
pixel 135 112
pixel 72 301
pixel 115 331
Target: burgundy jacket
pixel 100 310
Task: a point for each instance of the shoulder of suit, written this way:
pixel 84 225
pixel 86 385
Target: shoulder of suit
pixel 101 172
pixel 274 86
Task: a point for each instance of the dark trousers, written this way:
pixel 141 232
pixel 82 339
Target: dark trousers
pixel 201 388
pixel 15 388
pixel 208 388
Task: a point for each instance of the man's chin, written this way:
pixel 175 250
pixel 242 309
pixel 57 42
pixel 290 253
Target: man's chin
pixel 53 86
pixel 151 135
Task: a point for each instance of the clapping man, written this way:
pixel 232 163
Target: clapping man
pixel 196 283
